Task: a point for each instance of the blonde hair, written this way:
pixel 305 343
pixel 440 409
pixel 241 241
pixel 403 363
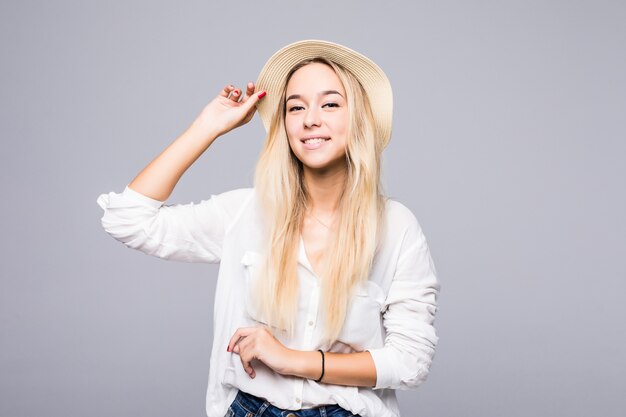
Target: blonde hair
pixel 282 195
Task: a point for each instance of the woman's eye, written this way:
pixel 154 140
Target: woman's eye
pixel 299 108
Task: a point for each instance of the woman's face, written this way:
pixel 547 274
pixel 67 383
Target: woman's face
pixel 317 118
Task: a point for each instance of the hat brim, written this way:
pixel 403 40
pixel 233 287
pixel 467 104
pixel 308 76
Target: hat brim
pixel 372 78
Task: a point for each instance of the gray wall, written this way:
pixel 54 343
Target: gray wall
pixel 508 145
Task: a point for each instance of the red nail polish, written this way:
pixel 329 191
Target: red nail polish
pixel 236 92
pixel 262 94
pixel 227 348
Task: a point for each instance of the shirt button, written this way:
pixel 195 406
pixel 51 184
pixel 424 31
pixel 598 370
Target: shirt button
pixel 310 323
pixel 298 400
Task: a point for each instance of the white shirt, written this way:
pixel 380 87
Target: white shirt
pixel 391 316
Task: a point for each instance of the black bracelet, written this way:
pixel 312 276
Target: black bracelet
pixel 321 376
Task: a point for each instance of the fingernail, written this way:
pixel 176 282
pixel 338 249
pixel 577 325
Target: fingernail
pixel 236 92
pixel 227 348
pixel 262 94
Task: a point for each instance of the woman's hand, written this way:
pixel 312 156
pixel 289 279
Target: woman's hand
pixel 258 343
pixel 230 109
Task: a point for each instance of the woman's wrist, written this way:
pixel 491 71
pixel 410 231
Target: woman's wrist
pixel 304 364
pixel 356 369
pixel 206 132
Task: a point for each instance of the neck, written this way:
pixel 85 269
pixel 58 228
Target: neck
pixel 324 189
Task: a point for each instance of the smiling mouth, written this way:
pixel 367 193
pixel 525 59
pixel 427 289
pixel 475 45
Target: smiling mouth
pixel 312 141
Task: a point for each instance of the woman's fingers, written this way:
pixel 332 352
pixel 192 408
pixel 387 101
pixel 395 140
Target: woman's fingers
pixel 248 368
pixel 226 91
pixel 241 332
pixel 249 89
pixel 238 345
pixel 246 355
pixel 250 101
pixel 231 92
pixel 235 95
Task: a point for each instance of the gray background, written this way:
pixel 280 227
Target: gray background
pixel 508 145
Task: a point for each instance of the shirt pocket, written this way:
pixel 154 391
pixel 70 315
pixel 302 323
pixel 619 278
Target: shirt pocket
pixel 363 322
pixel 251 262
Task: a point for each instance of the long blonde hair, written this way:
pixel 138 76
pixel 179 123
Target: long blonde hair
pixel 282 194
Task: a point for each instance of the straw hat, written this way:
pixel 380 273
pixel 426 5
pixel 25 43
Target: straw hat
pixel 371 77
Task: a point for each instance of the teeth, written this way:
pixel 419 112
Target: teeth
pixel 314 140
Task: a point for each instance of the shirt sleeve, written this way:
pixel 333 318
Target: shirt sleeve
pixel 408 316
pixel 192 232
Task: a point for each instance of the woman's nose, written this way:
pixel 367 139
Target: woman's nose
pixel 312 117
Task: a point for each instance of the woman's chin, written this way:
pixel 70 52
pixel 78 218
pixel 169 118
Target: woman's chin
pixel 324 167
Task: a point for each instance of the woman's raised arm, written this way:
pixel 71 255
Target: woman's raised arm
pixel 225 112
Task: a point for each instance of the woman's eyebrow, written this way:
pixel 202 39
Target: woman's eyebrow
pixel 321 93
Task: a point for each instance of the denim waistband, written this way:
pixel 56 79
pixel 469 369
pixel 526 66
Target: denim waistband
pixel 261 407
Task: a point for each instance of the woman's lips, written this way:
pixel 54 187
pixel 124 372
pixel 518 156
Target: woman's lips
pixel 314 142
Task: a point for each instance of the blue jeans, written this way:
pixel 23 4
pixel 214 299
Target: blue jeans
pixel 247 405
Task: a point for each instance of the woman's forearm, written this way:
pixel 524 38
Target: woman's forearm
pixel 352 369
pixel 158 179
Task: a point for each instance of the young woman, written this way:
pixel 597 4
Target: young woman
pixel 326 292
